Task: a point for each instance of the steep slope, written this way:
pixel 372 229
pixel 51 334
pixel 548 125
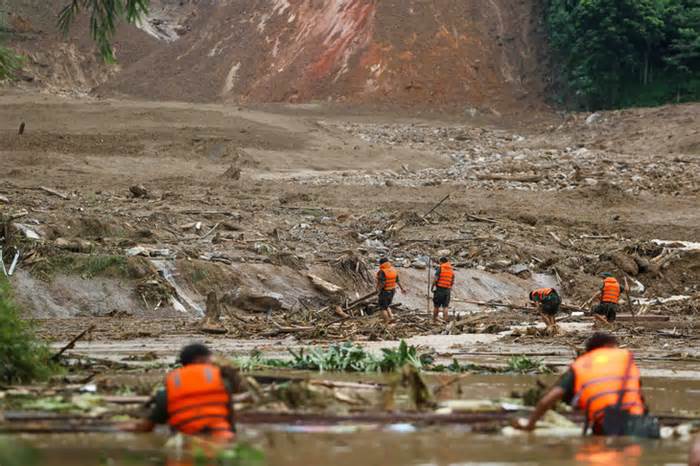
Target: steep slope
pixel 475 53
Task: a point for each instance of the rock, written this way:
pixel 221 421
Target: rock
pixel 139 190
pixel 233 173
pixel 444 253
pixel 626 263
pixel 520 270
pixel 325 286
pixel 3 199
pixel 252 300
pixel 27 231
pixel 374 244
pixel 74 245
pixel 148 252
pixel 642 262
pixel 593 118
pixel 528 219
pixel 420 264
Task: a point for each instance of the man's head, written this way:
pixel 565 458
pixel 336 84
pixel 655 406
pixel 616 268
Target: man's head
pixel 383 260
pixel 443 260
pixel 195 353
pixel 600 340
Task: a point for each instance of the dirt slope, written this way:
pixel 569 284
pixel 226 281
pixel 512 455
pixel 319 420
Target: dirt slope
pixel 457 53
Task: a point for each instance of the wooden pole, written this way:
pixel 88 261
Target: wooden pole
pixel 427 300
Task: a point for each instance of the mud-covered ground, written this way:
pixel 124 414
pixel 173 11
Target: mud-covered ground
pixel 154 205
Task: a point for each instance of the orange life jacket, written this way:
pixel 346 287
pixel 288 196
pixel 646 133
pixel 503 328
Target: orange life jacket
pixel 611 291
pixel 541 293
pixel 598 377
pixel 446 277
pixel 390 276
pixel 198 401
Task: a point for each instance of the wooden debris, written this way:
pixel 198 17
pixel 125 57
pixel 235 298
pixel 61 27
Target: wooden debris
pixel 323 285
pixel 71 344
pixel 54 192
pixel 480 219
pixel 435 207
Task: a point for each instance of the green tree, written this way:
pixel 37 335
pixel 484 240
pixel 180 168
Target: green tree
pixel 10 62
pixel 619 52
pixel 104 15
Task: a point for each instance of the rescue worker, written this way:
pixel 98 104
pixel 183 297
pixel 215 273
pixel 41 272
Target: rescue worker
pixel 609 298
pixel 442 289
pixel 387 281
pixel 604 383
pixel 548 302
pixel 196 399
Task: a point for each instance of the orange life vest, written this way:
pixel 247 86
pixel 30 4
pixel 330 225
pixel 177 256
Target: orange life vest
pixel 390 276
pixel 541 293
pixel 598 379
pixel 198 401
pixel 611 291
pixel 446 277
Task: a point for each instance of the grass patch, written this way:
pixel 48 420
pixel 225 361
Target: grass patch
pixel 23 357
pixel 87 266
pixel 347 357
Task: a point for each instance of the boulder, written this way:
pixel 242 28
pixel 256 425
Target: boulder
pixel 252 300
pixel 626 263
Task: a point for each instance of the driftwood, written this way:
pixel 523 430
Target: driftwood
pixel 480 219
pixel 71 344
pixel 323 285
pixel 54 192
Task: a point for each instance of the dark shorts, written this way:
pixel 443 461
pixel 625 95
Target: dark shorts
pixel 441 297
pixel 385 298
pixel 551 307
pixel 608 310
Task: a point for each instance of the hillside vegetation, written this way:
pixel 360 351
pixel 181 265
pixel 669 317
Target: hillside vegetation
pixel 618 53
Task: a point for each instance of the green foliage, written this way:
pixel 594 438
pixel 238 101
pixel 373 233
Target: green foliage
pixel 616 53
pixel 353 358
pixel 525 365
pixel 23 358
pixel 104 15
pixel 238 454
pixel 10 62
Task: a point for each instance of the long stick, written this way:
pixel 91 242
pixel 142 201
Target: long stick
pixel 629 301
pixel 72 343
pixel 427 303
pixel 436 206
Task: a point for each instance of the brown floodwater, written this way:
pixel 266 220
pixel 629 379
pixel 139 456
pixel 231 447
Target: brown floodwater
pixel 366 445
pixel 355 446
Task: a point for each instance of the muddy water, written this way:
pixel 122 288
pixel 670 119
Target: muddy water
pixel 365 447
pixel 400 444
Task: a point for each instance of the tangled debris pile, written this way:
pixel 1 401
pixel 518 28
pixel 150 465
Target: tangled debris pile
pixel 497 159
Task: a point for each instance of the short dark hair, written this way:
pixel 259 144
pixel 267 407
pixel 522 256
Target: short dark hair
pixel 443 259
pixel 600 340
pixel 383 260
pixel 192 352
